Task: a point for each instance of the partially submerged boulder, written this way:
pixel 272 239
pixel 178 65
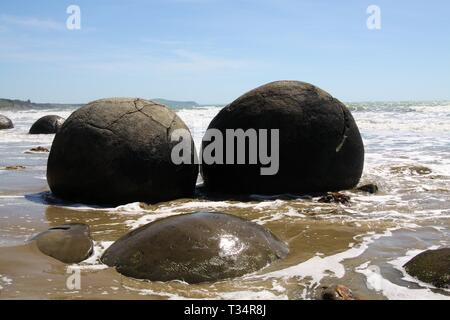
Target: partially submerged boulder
pixel 47 125
pixel 431 266
pixel 320 148
pixel 68 243
pixel 5 123
pixel 196 247
pixel 116 151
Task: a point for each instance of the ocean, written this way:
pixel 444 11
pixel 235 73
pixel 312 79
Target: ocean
pixel 362 245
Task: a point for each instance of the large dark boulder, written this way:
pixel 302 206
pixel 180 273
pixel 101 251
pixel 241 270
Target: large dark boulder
pixel 5 123
pixel 116 151
pixel 431 266
pixel 68 243
pixel 47 125
pixel 195 247
pixel 320 147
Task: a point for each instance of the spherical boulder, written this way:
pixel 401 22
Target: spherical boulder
pixel 5 123
pixel 431 266
pixel 68 243
pixel 117 151
pixel 47 125
pixel 317 147
pixel 196 247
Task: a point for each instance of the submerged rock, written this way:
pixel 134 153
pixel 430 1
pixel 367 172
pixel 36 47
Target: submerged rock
pixel 5 123
pixel 335 197
pixel 320 147
pixel 411 170
pixel 38 150
pixel 369 188
pixel 68 243
pixel 18 167
pixel 431 266
pixel 196 247
pixel 47 125
pixel 116 151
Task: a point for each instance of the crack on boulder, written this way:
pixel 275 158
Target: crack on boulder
pixel 170 127
pixel 100 128
pixel 345 130
pixel 149 116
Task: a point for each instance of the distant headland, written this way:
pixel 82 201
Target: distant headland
pixel 27 104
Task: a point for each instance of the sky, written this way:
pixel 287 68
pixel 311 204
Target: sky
pixel 213 51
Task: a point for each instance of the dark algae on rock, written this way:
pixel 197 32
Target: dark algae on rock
pixel 196 247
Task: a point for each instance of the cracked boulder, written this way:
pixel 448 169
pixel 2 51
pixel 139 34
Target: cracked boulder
pixel 116 151
pixel 68 243
pixel 47 125
pixel 196 247
pixel 319 148
pixel 5 123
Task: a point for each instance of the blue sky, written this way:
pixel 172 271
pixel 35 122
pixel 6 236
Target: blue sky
pixel 212 51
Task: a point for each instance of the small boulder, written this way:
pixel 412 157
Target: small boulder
pixel 336 292
pixel 68 243
pixel 196 247
pixel 5 123
pixel 431 266
pixel 47 125
pixel 369 188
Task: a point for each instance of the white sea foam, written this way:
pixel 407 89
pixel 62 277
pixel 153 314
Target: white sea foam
pixel 319 267
pixel 4 281
pixel 392 291
pixel 170 210
pixel 93 262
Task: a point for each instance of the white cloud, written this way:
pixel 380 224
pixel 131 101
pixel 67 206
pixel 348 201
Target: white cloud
pixel 165 42
pixel 30 22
